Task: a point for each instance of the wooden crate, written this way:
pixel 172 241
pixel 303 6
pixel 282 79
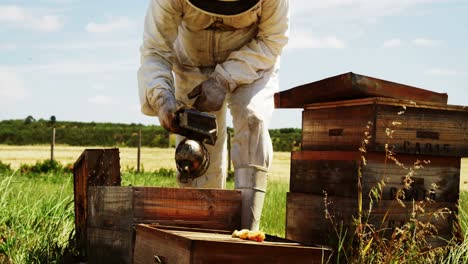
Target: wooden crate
pixel 307 224
pixel 106 213
pixel 336 172
pixel 115 211
pixel 192 246
pixel 418 128
pixel 94 167
pixel 352 86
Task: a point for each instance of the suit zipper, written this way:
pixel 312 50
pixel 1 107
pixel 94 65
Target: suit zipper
pixel 213 41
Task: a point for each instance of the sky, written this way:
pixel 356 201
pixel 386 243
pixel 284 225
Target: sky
pixel 77 60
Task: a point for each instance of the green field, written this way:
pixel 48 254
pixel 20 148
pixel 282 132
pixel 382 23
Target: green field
pixel 151 158
pixel 37 217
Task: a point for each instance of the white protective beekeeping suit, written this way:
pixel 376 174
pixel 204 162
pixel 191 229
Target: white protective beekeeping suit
pixel 236 43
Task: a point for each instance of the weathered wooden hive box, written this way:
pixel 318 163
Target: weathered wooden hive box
pixel 419 127
pixel 408 131
pixel 106 216
pixel 314 173
pixel 159 244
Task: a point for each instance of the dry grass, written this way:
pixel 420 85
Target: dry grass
pixel 151 158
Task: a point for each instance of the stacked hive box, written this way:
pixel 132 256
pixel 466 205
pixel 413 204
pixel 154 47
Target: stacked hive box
pixel 427 137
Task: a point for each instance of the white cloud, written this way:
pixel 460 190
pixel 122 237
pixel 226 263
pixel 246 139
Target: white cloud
pixel 12 13
pixel 393 43
pixel 12 87
pixel 115 24
pixel 339 12
pixel 101 100
pixel 369 7
pixel 425 42
pixel 62 1
pixel 80 67
pixel 7 47
pixel 87 45
pixel 35 19
pixel 443 72
pixel 417 42
pixel 305 40
pixel 98 86
pixel 48 23
pixel 349 19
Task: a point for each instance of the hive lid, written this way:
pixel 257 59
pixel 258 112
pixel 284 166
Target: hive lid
pixel 353 86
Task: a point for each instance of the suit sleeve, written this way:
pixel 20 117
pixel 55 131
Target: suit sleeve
pixel 247 64
pixel 160 31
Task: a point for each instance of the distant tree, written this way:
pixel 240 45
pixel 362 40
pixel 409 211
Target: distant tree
pixel 52 120
pixel 29 120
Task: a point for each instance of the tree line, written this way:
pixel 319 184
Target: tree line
pixel 30 131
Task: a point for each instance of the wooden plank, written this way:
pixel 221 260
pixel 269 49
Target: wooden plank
pixel 109 246
pixel 336 172
pixel 385 101
pixel 94 167
pixel 207 246
pixel 155 246
pixel 306 221
pixel 225 252
pixel 464 175
pixel 115 211
pixel 80 174
pixel 415 129
pixel 110 207
pixel 335 129
pixel 351 86
pixel 202 208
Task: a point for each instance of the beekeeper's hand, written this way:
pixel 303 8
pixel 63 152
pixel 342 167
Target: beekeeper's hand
pixel 168 106
pixel 210 94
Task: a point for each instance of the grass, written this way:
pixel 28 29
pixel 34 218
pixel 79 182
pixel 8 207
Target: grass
pixel 37 217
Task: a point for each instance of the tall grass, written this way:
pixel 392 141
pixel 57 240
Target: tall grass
pixel 458 252
pixel 36 219
pixel 273 219
pixel 361 241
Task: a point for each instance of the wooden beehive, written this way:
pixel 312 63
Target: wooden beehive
pixel 342 112
pixel 106 224
pixel 306 221
pixel 327 181
pixel 336 173
pixel 115 211
pixel 94 167
pixel 405 126
pixel 159 244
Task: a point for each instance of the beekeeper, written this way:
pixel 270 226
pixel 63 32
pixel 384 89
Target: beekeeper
pixel 225 53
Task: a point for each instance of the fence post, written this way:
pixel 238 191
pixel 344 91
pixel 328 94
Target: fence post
pixel 168 139
pixel 229 149
pixel 139 150
pixel 52 144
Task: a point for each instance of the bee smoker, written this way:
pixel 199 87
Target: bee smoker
pixel 191 156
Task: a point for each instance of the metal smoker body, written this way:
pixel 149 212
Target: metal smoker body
pixel 192 157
